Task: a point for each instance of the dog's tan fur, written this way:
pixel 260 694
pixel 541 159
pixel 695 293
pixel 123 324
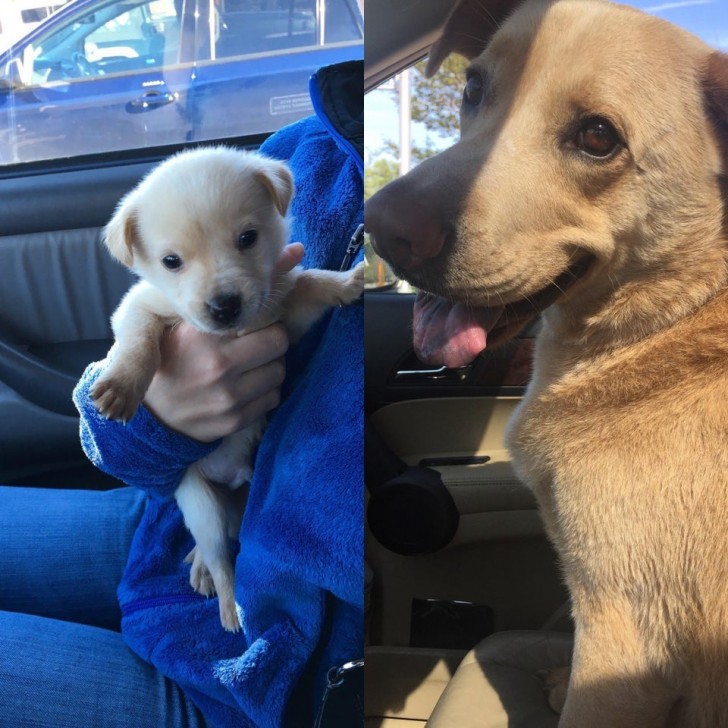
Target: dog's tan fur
pixel 623 430
pixel 196 205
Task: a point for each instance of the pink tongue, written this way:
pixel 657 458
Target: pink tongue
pixel 450 334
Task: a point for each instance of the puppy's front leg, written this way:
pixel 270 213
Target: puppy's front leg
pixel 138 325
pixel 315 292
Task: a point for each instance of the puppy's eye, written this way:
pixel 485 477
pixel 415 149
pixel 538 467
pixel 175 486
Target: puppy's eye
pixel 474 89
pixel 597 138
pixel 247 239
pixel 172 262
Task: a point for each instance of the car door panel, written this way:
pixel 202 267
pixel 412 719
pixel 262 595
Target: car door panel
pixel 58 288
pixel 275 85
pixel 445 420
pixel 439 433
pixel 69 118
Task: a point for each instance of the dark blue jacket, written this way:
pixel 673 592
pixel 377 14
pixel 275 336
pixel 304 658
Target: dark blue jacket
pixel 300 567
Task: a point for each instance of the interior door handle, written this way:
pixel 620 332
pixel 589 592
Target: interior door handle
pixel 436 374
pixel 150 100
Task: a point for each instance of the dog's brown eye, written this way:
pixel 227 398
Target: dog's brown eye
pixel 247 239
pixel 597 137
pixel 474 89
pixel 172 262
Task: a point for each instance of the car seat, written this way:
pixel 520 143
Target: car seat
pixel 499 683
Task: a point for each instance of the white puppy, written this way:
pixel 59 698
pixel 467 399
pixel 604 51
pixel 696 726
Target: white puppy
pixel 204 231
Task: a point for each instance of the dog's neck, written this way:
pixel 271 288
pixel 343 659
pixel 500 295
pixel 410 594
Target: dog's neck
pixel 611 314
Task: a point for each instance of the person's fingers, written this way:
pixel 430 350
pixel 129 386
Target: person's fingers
pixel 254 410
pixel 255 349
pixel 235 408
pixel 291 256
pixel 208 386
pixel 244 389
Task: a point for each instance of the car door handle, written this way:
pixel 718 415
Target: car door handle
pixel 437 374
pixel 150 100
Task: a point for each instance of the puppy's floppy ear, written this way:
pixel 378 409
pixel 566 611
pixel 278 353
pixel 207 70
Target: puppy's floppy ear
pixel 278 180
pixel 121 235
pixel 468 30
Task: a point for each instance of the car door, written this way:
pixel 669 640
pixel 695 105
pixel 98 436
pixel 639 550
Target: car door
pixel 489 567
pixel 454 544
pixel 58 288
pixel 256 63
pixel 99 76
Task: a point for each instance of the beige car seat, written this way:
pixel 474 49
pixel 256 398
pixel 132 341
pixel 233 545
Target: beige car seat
pixel 499 683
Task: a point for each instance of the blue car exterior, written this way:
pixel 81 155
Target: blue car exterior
pixel 105 75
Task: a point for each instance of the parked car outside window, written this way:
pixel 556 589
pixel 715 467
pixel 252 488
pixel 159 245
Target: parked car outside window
pixel 107 75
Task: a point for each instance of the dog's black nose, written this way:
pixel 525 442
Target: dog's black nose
pixel 225 309
pixel 405 230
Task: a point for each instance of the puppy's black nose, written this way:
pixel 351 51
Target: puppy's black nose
pixel 225 309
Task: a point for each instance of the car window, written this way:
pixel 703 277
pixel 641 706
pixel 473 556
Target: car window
pixel 143 36
pixel 21 16
pixel 111 75
pixel 246 27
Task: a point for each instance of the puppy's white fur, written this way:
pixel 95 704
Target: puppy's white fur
pixel 195 206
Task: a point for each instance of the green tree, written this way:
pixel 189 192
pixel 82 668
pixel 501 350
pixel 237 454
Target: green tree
pixel 436 101
pixel 379 173
pixel 376 175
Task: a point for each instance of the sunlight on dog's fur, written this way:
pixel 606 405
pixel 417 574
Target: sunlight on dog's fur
pixel 204 231
pixel 589 183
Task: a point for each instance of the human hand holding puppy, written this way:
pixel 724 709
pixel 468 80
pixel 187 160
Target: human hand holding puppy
pixel 209 386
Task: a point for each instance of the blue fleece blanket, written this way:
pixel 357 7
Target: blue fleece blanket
pixel 299 569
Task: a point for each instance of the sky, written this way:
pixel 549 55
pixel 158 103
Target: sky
pixel 708 19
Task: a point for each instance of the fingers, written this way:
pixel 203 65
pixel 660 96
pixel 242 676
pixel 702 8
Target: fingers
pixel 238 394
pixel 252 411
pixel 209 386
pixel 253 350
pixel 239 402
pixel 291 256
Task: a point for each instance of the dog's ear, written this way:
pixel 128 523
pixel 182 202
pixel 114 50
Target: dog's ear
pixel 278 180
pixel 121 234
pixel 715 91
pixel 468 30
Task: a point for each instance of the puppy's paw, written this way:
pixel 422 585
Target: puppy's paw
pixel 353 286
pixel 117 397
pixel 200 577
pixel 556 684
pixel 229 615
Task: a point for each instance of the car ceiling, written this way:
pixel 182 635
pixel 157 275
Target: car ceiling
pixel 398 34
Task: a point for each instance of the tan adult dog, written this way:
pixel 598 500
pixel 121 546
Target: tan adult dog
pixel 588 183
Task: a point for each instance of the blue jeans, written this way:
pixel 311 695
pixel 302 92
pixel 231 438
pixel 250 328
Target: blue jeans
pixel 63 663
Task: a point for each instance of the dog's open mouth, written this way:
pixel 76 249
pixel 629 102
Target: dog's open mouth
pixel 452 334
